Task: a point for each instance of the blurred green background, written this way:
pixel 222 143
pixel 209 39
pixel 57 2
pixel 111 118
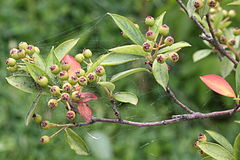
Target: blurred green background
pixel 46 23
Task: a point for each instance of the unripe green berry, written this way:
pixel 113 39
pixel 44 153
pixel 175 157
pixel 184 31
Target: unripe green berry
pixel 67 87
pixel 22 45
pixel 30 50
pixel 164 30
pixel 65 65
pixel 55 90
pixel 21 53
pixel 10 62
pixel 63 75
pixel 42 81
pixel 149 20
pixel 37 118
pixel 169 40
pixel 231 42
pixel 14 53
pixel 161 58
pixel 54 69
pixel 46 125
pixel 202 138
pixel 150 35
pixel 136 25
pixel 73 79
pixel 212 10
pixel 198 4
pixel 195 144
pixel 223 40
pixel 79 58
pixel 87 53
pixel 70 115
pixel 45 139
pixel 82 81
pixel 100 71
pixel 231 13
pixel 174 57
pixel 65 97
pixel 218 33
pixel 76 95
pixel 91 77
pixel 52 103
pixel 80 72
pixel 124 35
pixel 225 12
pixel 147 47
pixel 236 31
pixel 37 50
pixel 212 3
pixel 12 69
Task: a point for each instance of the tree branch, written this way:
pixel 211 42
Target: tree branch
pixel 115 110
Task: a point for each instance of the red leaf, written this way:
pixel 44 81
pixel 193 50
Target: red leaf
pixel 85 112
pixel 87 96
pixel 218 84
pixel 74 64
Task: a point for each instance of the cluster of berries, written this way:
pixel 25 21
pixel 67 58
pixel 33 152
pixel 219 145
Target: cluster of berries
pixel 24 52
pixel 201 138
pixel 198 4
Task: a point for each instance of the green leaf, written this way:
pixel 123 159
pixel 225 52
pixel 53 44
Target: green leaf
pixel 208 158
pixel 158 22
pixel 64 48
pixel 116 59
pixel 236 3
pixel 217 19
pixel 75 142
pixel 237 121
pixel 128 28
pixel 126 97
pixel 224 25
pixel 221 140
pixel 124 74
pixel 97 63
pixel 200 54
pixel 173 47
pixel 35 71
pixel 109 85
pixel 52 59
pixel 130 49
pixel 237 77
pixel 160 73
pixel 226 67
pixel 237 148
pixel 24 83
pixel 39 61
pixel 32 109
pixel 204 10
pixel 190 7
pixel 215 151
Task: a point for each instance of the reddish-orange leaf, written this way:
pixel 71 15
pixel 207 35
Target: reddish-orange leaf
pixel 85 112
pixel 218 84
pixel 74 64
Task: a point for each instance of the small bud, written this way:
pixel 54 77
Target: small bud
pixel 82 81
pixel 198 4
pixel 79 57
pixel 231 42
pixel 218 33
pixel 37 50
pixel 169 40
pixel 30 49
pixel 202 138
pixel 71 115
pixel 124 35
pixel 174 57
pixel 37 118
pixel 100 71
pixel 55 90
pixel 65 65
pixel 52 103
pixel 147 47
pixel 73 79
pixel 42 81
pixel 164 30
pixel 65 97
pixel 22 45
pixel 63 75
pixel 212 3
pixel 21 53
pixel 12 69
pixel 149 21
pixel 80 72
pixel 54 69
pixel 10 62
pixel 150 35
pixel 45 139
pixel 76 95
pixel 231 13
pixel 91 77
pixel 67 87
pixel 87 53
pixel 46 125
pixel 236 31
pixel 195 144
pixel 223 40
pixel 161 58
pixel 14 53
